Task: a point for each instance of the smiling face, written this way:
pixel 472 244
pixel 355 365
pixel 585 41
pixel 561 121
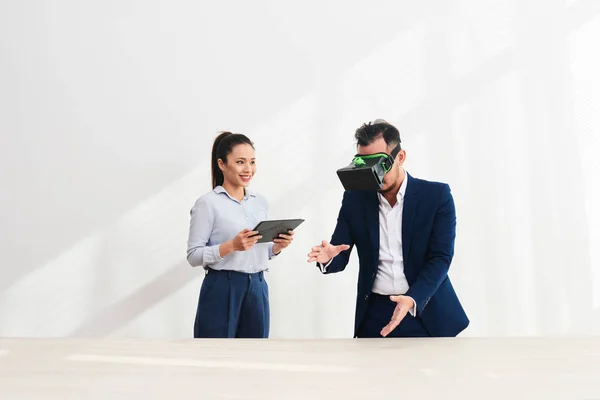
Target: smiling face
pixel 240 166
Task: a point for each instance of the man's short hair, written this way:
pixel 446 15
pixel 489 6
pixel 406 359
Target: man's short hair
pixel 371 131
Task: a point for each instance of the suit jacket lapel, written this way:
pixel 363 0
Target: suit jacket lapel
pixel 411 204
pixel 372 218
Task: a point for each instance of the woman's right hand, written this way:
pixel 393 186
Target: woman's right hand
pixel 243 241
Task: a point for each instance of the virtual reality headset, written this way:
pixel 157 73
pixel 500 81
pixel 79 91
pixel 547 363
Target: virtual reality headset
pixel 366 172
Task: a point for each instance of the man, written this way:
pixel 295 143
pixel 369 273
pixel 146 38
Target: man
pixel 404 234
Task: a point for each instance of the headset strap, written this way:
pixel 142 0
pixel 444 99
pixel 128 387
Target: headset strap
pixel 394 153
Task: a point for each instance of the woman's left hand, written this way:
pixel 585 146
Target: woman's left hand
pixel 282 241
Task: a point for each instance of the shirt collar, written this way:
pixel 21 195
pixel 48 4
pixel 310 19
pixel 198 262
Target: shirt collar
pixel 402 191
pixel 220 189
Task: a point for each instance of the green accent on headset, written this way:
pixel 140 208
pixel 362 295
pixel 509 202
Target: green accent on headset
pixel 359 161
pixel 388 159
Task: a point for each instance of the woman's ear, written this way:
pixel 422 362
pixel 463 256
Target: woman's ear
pixel 221 164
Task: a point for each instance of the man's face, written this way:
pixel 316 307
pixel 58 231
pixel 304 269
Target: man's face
pixel 390 180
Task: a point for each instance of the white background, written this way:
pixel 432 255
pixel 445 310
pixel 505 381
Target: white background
pixel 108 110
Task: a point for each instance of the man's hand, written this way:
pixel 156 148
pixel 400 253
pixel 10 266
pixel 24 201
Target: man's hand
pixel 325 252
pixel 282 241
pixel 405 304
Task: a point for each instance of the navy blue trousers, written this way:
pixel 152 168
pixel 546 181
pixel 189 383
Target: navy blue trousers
pixel 233 305
pixel 379 313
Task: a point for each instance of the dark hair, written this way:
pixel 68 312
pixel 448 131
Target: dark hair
pixel 222 146
pixel 369 132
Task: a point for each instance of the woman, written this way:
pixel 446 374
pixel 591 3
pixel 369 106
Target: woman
pixel 234 297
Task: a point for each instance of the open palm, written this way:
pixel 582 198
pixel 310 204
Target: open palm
pixel 325 252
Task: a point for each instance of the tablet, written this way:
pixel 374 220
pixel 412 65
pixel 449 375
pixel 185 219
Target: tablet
pixel 269 230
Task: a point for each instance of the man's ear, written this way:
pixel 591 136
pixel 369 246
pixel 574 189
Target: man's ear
pixel 400 157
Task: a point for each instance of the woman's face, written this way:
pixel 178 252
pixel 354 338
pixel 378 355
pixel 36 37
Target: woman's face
pixel 240 166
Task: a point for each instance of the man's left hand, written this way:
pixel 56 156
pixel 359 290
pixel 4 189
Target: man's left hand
pixel 403 306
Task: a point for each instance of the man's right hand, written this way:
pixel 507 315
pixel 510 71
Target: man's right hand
pixel 325 252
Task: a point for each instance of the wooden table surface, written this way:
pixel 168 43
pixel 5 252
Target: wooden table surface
pixel 457 368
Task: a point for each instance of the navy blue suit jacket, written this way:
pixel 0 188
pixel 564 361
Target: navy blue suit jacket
pixel 428 233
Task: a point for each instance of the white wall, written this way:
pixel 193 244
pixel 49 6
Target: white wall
pixel 108 110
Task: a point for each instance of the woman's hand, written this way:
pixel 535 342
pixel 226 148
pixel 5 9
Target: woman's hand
pixel 282 241
pixel 243 241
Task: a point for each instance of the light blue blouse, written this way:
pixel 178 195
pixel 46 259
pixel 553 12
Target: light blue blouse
pixel 216 217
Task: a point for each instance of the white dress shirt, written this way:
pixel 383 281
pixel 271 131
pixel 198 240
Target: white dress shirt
pixel 390 279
